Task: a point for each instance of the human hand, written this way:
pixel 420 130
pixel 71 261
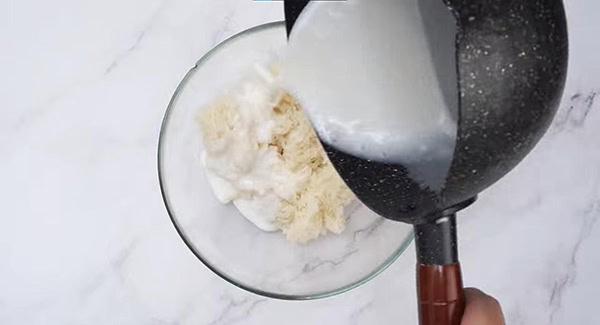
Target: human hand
pixel 481 309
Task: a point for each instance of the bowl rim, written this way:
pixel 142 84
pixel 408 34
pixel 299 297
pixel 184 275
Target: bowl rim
pixel 188 242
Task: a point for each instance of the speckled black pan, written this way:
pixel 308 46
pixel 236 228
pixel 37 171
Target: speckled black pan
pixel 511 63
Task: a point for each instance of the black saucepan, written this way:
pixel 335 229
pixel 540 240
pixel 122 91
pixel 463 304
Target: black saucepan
pixel 511 58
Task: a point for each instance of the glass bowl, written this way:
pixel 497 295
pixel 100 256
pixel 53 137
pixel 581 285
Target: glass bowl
pixel 228 244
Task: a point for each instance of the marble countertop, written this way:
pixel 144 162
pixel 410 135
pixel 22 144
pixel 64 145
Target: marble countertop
pixel 84 236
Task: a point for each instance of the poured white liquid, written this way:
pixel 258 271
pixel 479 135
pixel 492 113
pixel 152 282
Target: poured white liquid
pixel 378 80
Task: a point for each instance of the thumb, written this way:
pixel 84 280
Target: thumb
pixel 481 309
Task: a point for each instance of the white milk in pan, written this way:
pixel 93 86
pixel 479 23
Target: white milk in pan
pixel 378 80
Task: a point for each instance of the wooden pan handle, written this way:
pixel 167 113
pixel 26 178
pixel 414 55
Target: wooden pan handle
pixel 440 294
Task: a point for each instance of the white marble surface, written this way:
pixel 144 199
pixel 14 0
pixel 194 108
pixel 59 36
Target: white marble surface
pixel 84 236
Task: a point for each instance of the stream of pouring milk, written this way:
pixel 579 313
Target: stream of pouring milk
pixel 378 80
